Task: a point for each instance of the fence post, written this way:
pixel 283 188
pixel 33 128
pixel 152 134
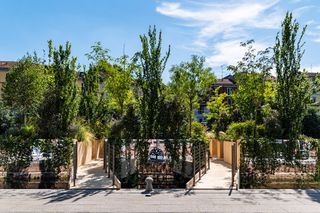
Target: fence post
pixel 208 159
pixel 105 155
pixel 113 166
pixel 204 159
pixel 109 159
pixel 194 165
pixel 234 162
pixel 75 162
pixel 199 152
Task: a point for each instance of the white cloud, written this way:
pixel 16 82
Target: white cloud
pixel 217 19
pixel 227 23
pixel 230 52
pixel 312 68
pixel 299 11
pixel 220 27
pixel 314 35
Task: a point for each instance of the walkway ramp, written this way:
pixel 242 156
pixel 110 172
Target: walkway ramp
pixel 217 177
pixel 92 176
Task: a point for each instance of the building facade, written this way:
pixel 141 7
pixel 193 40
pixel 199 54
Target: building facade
pixel 4 69
pixel 315 93
pixel 227 85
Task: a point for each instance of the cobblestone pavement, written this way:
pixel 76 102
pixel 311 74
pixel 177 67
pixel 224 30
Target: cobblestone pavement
pixel 160 201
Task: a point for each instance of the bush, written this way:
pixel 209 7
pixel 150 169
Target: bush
pixel 245 129
pixel 58 153
pixel 82 132
pixel 258 161
pixel 15 152
pixel 311 123
pixel 199 132
pixel 28 131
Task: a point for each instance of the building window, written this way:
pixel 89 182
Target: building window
pixel 229 91
pixel 202 109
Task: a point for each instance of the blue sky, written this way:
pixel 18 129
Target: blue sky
pixel 212 28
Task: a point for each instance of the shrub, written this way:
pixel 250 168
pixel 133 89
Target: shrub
pixel 199 132
pixel 311 123
pixel 244 129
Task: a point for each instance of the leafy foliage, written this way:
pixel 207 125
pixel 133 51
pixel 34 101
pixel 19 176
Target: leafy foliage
pixel 149 81
pixel 199 132
pixel 251 74
pixel 118 87
pixel 26 85
pixel 218 109
pixel 191 80
pixel 293 89
pixel 311 123
pixel 245 129
pixel 60 108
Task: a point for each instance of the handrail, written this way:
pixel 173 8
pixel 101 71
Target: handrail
pixel 191 183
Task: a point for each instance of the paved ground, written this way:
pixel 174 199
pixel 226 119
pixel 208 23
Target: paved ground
pixel 162 201
pixel 217 177
pixel 92 176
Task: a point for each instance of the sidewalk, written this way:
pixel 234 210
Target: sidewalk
pixel 217 177
pixel 162 201
pixel 92 176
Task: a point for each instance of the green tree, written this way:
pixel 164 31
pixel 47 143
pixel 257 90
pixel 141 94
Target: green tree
pixel 118 88
pixel 293 90
pixel 98 53
pixel 26 85
pixel 311 123
pixel 151 65
pixel 217 106
pixel 60 108
pixel 251 75
pixel 190 80
pixel 90 94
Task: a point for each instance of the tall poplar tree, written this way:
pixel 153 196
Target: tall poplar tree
pixel 293 90
pixel 90 94
pixel 60 108
pixel 149 80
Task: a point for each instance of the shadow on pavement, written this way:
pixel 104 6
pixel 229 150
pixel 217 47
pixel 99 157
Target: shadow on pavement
pixel 314 194
pixel 74 195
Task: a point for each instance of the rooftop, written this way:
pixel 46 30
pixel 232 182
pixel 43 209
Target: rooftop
pixel 6 65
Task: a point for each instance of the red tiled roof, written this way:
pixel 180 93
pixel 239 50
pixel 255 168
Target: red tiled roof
pixel 313 74
pixel 6 65
pixel 224 81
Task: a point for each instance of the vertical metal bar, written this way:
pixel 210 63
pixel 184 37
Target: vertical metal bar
pixel 236 155
pixel 208 159
pixel 233 164
pixel 204 159
pixel 75 162
pixel 113 166
pixel 104 156
pixel 194 165
pixel 109 158
pixel 199 147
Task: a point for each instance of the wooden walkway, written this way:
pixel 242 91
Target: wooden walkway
pixel 92 176
pixel 217 177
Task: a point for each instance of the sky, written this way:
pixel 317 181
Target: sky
pixel 210 28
